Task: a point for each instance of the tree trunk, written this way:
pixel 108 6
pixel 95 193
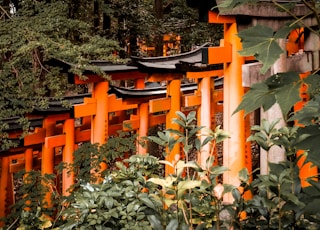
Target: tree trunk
pixel 158 41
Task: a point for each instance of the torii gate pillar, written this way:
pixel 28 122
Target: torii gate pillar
pixel 233 147
pixel 227 53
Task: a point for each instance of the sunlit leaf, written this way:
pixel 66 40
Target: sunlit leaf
pixel 186 184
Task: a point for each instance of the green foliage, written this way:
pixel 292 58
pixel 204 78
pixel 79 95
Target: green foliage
pixel 117 203
pixel 192 197
pixel 261 42
pixel 30 211
pixel 39 32
pixel 282 88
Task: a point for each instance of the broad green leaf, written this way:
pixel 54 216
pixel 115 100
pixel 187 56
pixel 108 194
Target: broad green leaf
pixel 155 222
pixel 313 84
pixel 279 80
pixel 244 175
pixel 164 183
pixel 186 184
pixel 261 42
pixel 217 170
pixel 181 115
pixel 179 122
pixel 256 97
pixel 287 97
pixel 191 118
pixel 173 224
pixel 180 167
pixel 309 113
pixel 166 163
pixel 310 142
pixel 147 202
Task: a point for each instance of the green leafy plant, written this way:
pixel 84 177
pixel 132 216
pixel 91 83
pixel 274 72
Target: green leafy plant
pixel 117 203
pixel 192 196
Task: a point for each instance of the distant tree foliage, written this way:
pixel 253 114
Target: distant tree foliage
pixel 33 33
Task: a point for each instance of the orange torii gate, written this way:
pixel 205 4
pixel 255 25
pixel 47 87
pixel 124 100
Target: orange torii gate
pixel 59 130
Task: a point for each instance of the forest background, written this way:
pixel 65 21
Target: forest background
pixel 34 33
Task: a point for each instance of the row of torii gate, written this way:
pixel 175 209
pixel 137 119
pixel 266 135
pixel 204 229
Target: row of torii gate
pixel 96 116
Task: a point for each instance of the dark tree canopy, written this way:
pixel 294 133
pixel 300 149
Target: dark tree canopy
pixel 33 33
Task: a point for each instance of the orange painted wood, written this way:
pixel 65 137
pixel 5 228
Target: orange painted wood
pixel 233 147
pixel 143 126
pixel 88 108
pixel 82 135
pixel 203 74
pixel 67 156
pixel 191 100
pixel 157 77
pixel 139 83
pixel 114 128
pixel 156 119
pixel 55 141
pixel 132 124
pixel 35 138
pixel 219 54
pixel 28 156
pixel 117 104
pixel 174 93
pixel 160 105
pixel 214 17
pixel 4 179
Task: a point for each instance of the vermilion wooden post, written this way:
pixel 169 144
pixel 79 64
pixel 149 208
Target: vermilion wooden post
pixel 4 177
pixel 67 157
pixel 28 165
pixel 233 147
pixel 205 117
pixel 173 92
pixel 100 119
pixel 99 128
pixel 144 125
pixel 47 161
pixel 140 83
pixel 28 155
pixel 227 53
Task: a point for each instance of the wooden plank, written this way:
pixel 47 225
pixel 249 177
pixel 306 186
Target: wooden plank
pixel 88 108
pixel 159 105
pixel 117 104
pixel 132 124
pixel 112 129
pixel 35 138
pixel 203 74
pixel 214 17
pixel 217 55
pixel 82 135
pixel 55 141
pixel 191 100
pixel 157 77
pixel 157 119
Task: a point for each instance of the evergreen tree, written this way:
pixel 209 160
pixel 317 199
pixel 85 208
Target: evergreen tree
pixel 32 34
